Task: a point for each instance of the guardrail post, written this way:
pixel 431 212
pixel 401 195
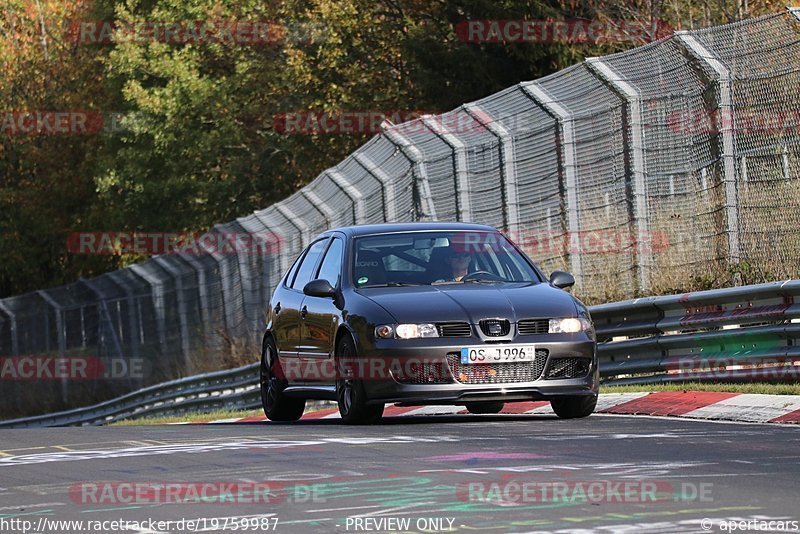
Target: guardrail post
pixel 728 133
pixel 508 167
pixel 636 164
pixel 61 334
pixel 566 141
pixel 389 201
pixel 422 189
pixel 12 318
pixel 182 311
pixel 459 165
pixel 320 206
pixel 350 190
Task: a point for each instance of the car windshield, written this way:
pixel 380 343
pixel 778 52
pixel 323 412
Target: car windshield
pixel 437 258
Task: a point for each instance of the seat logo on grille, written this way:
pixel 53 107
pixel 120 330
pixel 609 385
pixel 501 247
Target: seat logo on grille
pixel 495 327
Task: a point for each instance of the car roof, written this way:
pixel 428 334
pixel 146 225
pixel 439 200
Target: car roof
pixel 390 228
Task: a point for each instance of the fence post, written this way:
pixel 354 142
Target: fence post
pixel 133 311
pixel 637 169
pixel 389 201
pixel 297 222
pixel 62 336
pixel 159 304
pixel 786 170
pixel 350 190
pixel 202 292
pixel 728 133
pixel 283 258
pixel 507 167
pixel 12 318
pixel 104 315
pixel 320 206
pixel 569 158
pixel 459 165
pixel 415 157
pixel 182 312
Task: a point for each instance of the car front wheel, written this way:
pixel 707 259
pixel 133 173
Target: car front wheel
pixel 277 407
pixel 350 393
pixel 574 407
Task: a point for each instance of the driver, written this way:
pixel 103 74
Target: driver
pixel 458 261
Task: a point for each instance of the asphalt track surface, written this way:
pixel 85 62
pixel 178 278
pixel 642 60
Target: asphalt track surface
pixel 438 474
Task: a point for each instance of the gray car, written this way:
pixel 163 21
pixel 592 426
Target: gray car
pixel 424 313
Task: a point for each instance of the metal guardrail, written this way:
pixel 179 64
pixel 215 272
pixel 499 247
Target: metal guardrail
pixel 232 389
pixel 738 334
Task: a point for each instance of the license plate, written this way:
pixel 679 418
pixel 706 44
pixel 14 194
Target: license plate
pixel 498 354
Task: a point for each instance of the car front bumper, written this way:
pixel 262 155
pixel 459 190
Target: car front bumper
pixel 454 383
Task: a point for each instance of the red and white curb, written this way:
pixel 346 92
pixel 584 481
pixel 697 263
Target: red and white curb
pixel 743 407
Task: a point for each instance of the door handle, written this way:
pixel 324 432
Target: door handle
pixel 277 308
pixel 304 312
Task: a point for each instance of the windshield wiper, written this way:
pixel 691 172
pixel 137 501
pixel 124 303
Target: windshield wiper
pixel 392 284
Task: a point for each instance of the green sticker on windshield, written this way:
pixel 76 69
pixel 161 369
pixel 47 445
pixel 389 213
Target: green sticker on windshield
pixel 363 280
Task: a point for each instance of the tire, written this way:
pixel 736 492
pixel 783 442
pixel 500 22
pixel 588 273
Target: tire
pixel 277 407
pixel 485 407
pixel 350 393
pixel 574 407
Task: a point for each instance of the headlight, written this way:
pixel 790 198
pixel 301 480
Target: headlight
pixel 570 325
pixel 406 331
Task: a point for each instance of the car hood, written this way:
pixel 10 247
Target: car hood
pixel 472 302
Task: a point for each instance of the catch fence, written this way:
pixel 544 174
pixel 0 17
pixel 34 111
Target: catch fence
pixel 638 172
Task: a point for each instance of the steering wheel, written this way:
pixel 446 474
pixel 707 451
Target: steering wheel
pixel 481 275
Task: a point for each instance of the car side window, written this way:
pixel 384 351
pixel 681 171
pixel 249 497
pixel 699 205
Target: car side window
pixel 306 268
pixel 292 271
pixel 331 268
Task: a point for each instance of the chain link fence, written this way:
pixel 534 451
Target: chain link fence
pixel 643 172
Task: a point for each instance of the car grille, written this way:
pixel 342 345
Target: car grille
pixel 495 327
pixel 496 373
pixel 454 329
pixel 423 373
pixel 533 326
pixel 567 368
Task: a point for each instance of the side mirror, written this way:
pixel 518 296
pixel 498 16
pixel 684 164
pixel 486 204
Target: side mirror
pixel 319 288
pixel 562 280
